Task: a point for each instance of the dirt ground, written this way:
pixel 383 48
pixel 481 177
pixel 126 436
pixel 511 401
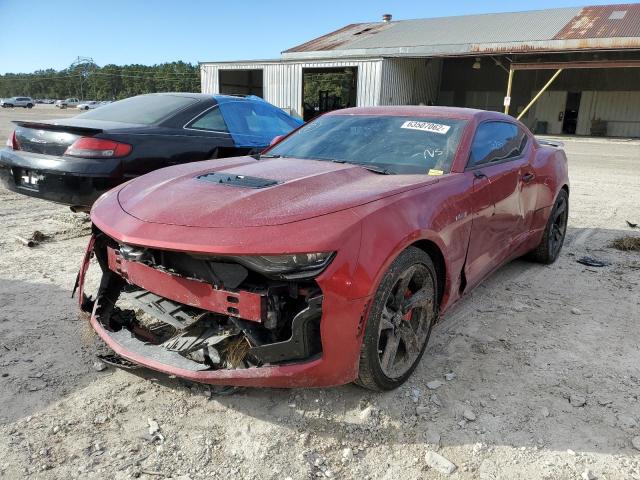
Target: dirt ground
pixel 545 364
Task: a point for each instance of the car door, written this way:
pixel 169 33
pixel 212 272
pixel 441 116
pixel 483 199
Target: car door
pixel 500 168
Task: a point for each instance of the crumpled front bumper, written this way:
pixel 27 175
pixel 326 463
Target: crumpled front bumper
pixel 341 328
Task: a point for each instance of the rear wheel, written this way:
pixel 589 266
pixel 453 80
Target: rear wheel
pixel 399 322
pixel 29 105
pixel 553 238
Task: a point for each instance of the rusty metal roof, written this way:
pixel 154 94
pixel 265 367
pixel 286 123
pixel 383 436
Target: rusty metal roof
pixel 342 37
pixel 606 21
pixel 594 27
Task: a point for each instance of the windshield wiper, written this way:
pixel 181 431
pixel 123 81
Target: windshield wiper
pixel 368 166
pixel 259 156
pixel 373 168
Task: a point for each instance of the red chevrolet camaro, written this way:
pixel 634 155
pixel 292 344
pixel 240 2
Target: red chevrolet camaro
pixel 328 258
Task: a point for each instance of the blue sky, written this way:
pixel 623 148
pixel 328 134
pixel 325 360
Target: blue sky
pixel 38 34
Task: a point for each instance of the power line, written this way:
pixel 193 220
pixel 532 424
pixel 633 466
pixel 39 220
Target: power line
pixel 151 69
pixel 37 77
pixel 156 75
pixel 150 74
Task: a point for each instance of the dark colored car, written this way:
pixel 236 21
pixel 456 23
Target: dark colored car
pixel 329 258
pixel 74 160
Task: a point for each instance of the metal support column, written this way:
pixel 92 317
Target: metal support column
pixel 542 90
pixel 507 98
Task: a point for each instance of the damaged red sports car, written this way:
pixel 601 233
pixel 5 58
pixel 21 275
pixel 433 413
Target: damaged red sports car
pixel 328 258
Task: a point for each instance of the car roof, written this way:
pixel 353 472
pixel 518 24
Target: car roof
pixel 423 111
pixel 219 98
pixel 199 96
pixel 238 98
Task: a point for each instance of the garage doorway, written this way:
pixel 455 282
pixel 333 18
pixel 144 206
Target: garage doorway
pixel 326 89
pixel 570 120
pixel 240 82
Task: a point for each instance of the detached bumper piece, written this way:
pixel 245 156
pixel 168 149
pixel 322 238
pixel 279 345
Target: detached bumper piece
pixel 164 319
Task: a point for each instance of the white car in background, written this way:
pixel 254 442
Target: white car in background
pixel 25 102
pixel 89 105
pixel 69 102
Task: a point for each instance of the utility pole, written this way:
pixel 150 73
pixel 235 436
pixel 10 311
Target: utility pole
pixel 84 66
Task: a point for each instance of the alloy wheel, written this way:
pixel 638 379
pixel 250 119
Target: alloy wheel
pixel 558 226
pixel 406 321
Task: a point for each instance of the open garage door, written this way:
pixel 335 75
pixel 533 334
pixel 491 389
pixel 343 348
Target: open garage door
pixel 326 89
pixel 598 113
pixel 241 82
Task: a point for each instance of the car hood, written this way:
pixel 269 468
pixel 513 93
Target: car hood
pixel 185 195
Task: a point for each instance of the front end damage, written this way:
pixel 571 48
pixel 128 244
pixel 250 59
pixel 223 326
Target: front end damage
pixel 212 319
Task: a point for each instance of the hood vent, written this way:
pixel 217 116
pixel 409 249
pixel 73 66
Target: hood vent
pixel 237 180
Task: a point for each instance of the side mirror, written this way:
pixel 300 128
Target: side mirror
pixel 276 139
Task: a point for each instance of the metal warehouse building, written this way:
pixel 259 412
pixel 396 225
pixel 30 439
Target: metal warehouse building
pixel 580 65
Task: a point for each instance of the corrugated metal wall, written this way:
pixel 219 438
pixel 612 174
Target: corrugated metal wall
pixel 619 109
pixel 410 81
pixel 484 100
pixel 547 109
pixel 283 80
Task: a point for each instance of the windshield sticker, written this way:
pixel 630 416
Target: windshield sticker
pixel 426 127
pixel 433 171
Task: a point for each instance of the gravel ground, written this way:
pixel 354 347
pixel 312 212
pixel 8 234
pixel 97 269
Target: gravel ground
pixel 536 374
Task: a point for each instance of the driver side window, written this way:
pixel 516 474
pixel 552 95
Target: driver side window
pixel 495 141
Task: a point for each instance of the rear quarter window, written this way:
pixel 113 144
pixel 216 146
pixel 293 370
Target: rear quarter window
pixel 210 121
pixel 496 141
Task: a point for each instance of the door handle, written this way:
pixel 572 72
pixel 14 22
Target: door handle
pixel 527 177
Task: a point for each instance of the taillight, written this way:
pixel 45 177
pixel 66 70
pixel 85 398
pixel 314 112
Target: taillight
pixel 89 147
pixel 12 141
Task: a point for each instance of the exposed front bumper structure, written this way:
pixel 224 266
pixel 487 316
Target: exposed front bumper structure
pixel 294 361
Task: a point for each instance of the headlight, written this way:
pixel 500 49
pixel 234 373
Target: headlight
pixel 290 267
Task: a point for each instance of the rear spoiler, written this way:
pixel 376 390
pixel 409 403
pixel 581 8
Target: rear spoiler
pixel 550 143
pixel 58 128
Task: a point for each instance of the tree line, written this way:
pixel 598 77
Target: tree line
pixel 110 82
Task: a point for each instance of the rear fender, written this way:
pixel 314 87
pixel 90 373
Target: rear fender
pixel 550 165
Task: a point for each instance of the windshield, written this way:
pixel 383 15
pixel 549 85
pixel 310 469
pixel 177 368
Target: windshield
pixel 404 145
pixel 143 109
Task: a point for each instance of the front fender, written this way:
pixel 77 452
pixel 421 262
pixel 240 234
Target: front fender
pixel 439 215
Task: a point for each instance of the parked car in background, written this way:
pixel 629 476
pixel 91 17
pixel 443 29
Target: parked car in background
pixel 328 258
pixel 25 102
pixel 67 103
pixel 89 105
pixel 74 160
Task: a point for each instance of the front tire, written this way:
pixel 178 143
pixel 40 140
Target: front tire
pixel 399 322
pixel 549 248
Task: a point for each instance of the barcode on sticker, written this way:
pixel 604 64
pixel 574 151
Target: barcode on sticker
pixel 426 126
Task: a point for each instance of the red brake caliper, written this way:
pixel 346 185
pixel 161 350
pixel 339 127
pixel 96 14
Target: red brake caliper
pixel 407 316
